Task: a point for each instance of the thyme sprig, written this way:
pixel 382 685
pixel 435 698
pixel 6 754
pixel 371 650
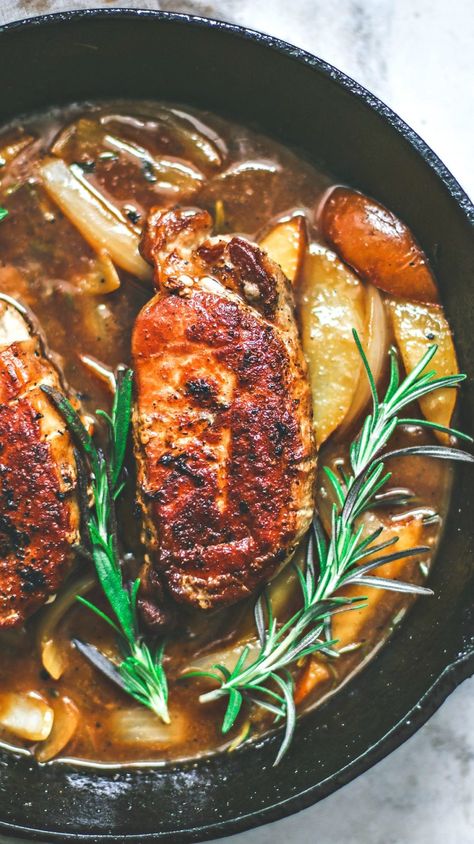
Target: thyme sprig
pixel 140 672
pixel 342 557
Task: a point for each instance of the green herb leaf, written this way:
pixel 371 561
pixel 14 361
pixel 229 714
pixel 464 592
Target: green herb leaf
pixel 3 214
pixel 233 709
pixel 139 673
pixel 75 425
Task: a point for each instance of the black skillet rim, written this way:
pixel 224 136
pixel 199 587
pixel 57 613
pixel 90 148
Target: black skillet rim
pixel 455 672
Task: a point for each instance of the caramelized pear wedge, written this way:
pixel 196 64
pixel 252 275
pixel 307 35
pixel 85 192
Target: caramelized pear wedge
pixel 349 628
pixel 332 303
pixel 286 244
pixel 416 328
pixel 376 344
pixel 377 245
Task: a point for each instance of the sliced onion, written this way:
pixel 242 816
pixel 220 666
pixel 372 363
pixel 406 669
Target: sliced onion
pixel 93 217
pixel 172 175
pixel 139 725
pixel 100 370
pixel 27 716
pixel 197 141
pixel 111 280
pixel 52 656
pixel 66 719
pixel 376 348
pixel 102 278
pixel 219 217
pixel 199 138
pixel 82 137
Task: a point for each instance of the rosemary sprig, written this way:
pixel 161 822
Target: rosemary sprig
pixel 266 679
pixel 140 673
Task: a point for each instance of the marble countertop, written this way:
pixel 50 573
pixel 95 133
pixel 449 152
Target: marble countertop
pixel 418 56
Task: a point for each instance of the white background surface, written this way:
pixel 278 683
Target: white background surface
pixel 418 56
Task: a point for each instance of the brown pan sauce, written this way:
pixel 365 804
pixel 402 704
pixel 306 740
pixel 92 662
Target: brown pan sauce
pixel 47 265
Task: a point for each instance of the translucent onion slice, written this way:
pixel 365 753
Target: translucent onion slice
pixel 376 343
pixel 52 655
pixel 100 227
pixel 80 138
pixel 66 720
pixel 141 726
pixel 198 142
pixel 102 278
pixel 13 326
pixel 198 138
pixel 27 716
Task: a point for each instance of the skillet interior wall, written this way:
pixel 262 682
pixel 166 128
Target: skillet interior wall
pixel 112 56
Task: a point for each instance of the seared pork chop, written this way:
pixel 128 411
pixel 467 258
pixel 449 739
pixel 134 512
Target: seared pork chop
pixel 39 516
pixel 222 418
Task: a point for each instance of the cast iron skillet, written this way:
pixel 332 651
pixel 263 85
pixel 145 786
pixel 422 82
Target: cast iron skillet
pixel 306 103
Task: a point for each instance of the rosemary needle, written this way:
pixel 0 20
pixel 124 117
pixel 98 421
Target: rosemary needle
pixel 266 680
pixel 140 672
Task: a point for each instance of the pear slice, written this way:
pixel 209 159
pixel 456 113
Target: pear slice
pixel 416 328
pixel 332 301
pixel 286 244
